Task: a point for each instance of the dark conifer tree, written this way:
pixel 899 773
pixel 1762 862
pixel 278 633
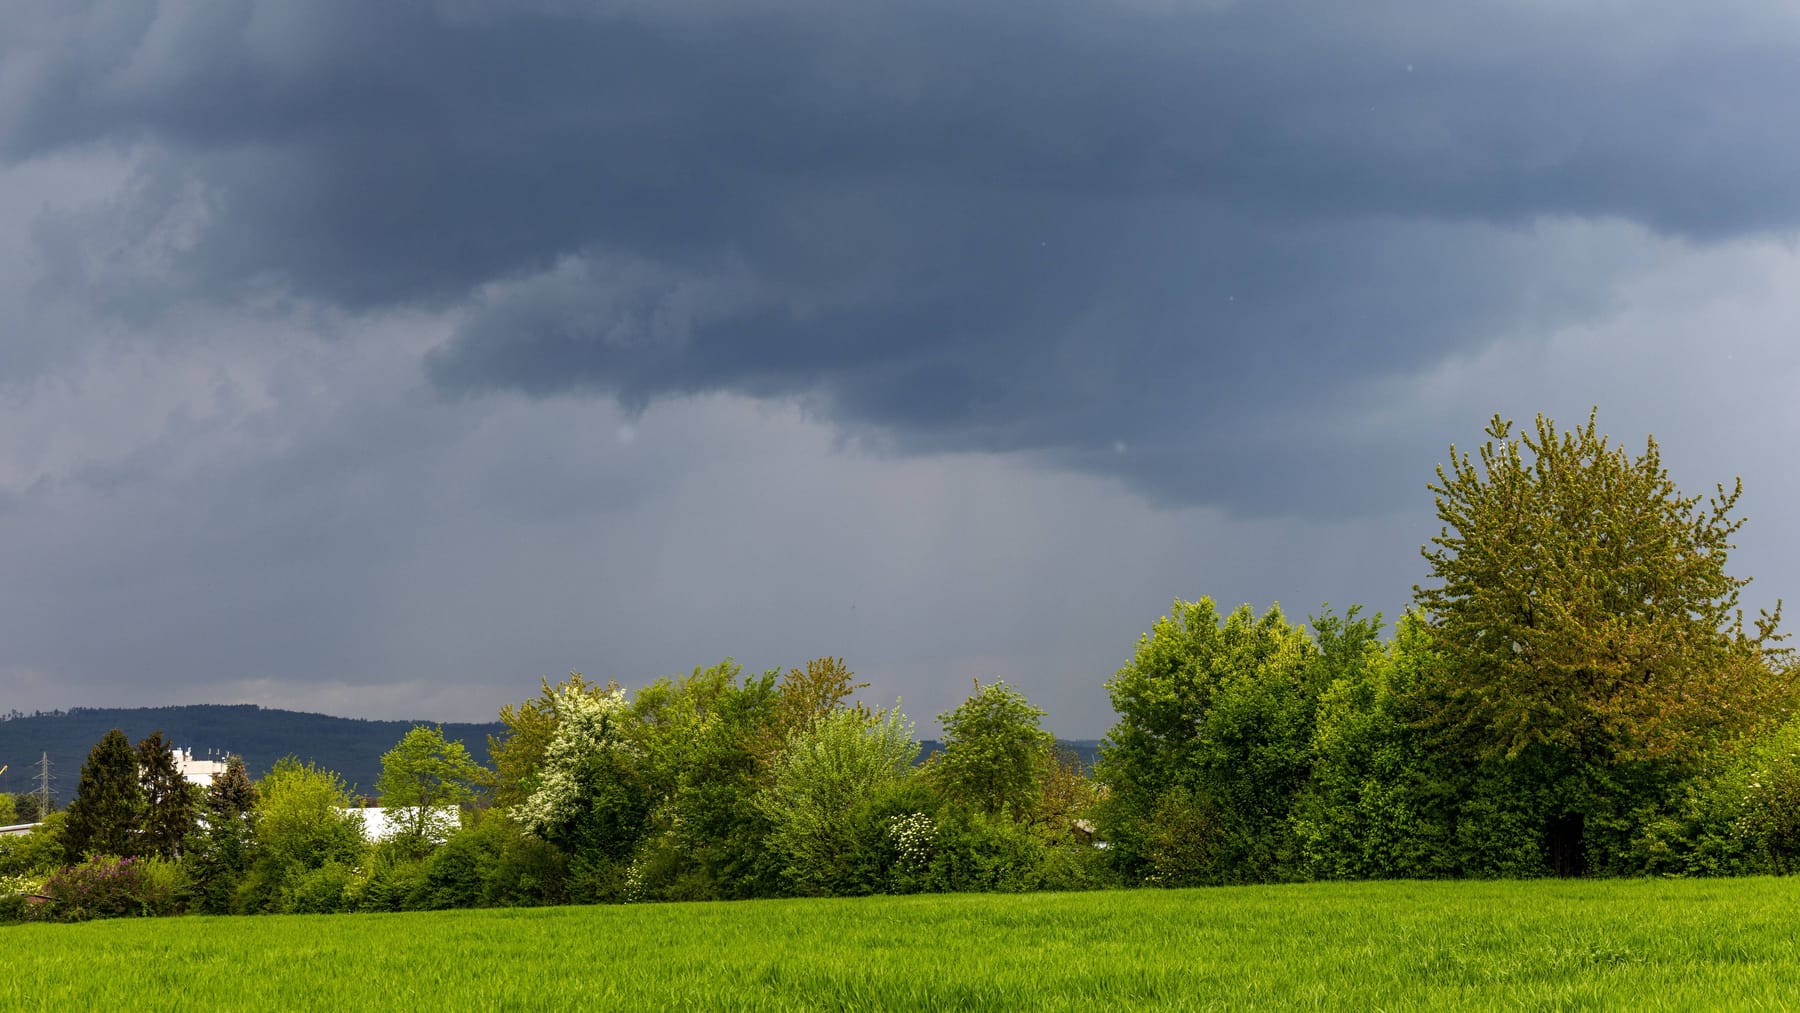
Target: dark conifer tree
pixel 169 801
pixel 232 793
pixel 220 852
pixel 109 802
pixel 28 808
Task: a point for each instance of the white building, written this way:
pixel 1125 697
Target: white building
pixel 200 772
pixel 380 823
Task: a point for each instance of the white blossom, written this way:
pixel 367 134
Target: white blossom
pixel 587 723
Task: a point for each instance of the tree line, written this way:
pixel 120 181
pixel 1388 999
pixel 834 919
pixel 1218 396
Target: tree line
pixel 1574 691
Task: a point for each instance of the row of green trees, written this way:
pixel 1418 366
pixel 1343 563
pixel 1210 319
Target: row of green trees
pixel 713 785
pixel 1574 691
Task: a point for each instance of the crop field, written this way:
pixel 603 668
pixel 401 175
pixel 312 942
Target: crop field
pixel 1486 945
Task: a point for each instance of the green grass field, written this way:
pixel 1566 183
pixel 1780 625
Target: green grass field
pixel 1532 945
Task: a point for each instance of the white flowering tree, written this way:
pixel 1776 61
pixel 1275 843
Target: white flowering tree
pixel 587 745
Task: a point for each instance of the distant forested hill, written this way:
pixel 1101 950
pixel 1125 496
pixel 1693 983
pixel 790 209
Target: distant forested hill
pixel 350 746
pixel 1086 750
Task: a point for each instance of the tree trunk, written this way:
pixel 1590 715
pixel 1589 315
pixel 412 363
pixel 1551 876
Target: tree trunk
pixel 1565 846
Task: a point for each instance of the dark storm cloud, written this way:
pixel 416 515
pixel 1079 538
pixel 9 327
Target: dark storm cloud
pixel 1153 239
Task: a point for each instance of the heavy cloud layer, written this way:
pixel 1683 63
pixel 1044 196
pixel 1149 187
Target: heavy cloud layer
pixel 1086 227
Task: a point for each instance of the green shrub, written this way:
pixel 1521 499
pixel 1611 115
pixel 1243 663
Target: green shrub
pixel 108 887
pixel 457 874
pixel 529 871
pixel 973 852
pixel 1077 867
pixel 395 884
pixel 1758 799
pixel 830 796
pixel 324 890
pixel 596 878
pixel 1181 843
pixel 16 892
pixel 1740 817
pixel 40 851
pixel 305 842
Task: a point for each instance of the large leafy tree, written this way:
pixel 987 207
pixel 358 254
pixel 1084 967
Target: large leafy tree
pixel 302 822
pixel 530 726
pixel 109 802
pixel 806 696
pixel 993 758
pixel 423 775
pixel 591 798
pixel 1587 626
pixel 700 737
pixel 1212 745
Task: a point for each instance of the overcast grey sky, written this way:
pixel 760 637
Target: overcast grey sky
pixel 381 359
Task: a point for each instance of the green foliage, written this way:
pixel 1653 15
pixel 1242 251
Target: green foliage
pixel 813 799
pixel 110 887
pixel 396 879
pixel 704 738
pixel 1370 810
pixel 37 853
pixel 1740 816
pixel 1580 602
pixel 1591 644
pixel 170 802
pixel 807 696
pixel 459 873
pixel 1213 743
pixel 1760 793
pixel 424 773
pixel 492 862
pixel 303 824
pixel 324 890
pixel 218 851
pixel 1067 797
pixel 109 802
pixel 27 808
pixel 9 812
pixel 589 791
pixel 993 752
pixel 530 727
pixel 972 851
pixel 232 793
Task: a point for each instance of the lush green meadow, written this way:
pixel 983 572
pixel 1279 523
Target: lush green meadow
pixel 1533 945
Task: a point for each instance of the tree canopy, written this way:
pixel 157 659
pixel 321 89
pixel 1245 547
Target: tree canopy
pixel 1213 737
pixel 993 751
pixel 1580 601
pixel 109 802
pixel 170 803
pixel 1589 634
pixel 422 774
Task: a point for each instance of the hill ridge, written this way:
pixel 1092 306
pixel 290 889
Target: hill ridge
pixel 350 746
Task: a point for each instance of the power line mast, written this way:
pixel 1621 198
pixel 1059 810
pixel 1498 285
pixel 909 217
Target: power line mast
pixel 44 779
